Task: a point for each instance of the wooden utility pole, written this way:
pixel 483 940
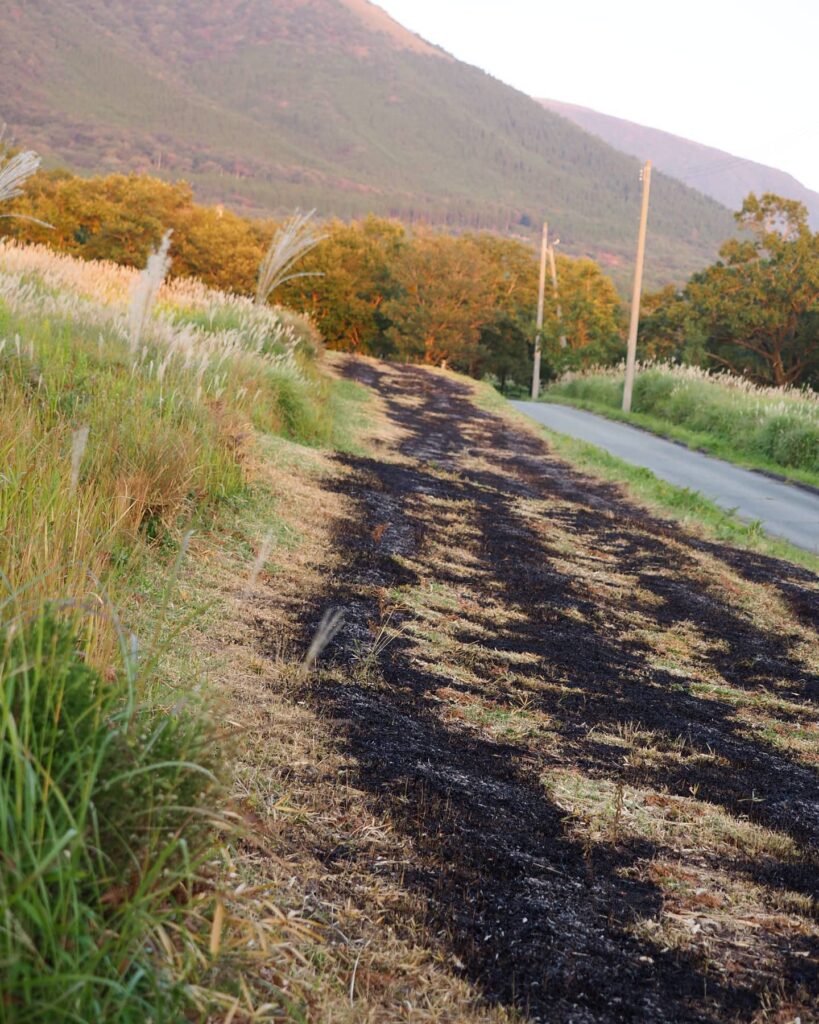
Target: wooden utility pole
pixel 631 355
pixel 541 302
pixel 553 265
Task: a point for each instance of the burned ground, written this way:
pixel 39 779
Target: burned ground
pixel 595 733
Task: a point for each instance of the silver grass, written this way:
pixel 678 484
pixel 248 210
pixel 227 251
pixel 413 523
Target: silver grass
pixel 79 439
pixel 15 172
pixel 146 289
pixel 259 562
pixel 331 623
pixel 291 243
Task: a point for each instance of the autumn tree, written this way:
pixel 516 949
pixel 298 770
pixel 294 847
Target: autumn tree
pixel 218 246
pixel 118 217
pixel 121 217
pixel 444 298
pixel 592 318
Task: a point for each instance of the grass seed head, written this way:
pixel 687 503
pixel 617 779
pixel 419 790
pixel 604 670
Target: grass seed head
pixel 79 440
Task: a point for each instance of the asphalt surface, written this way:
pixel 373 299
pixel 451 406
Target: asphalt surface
pixel 783 509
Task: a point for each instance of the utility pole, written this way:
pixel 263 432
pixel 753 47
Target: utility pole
pixel 541 302
pixel 553 265
pixel 631 355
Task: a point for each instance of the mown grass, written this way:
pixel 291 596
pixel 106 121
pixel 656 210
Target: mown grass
pixel 772 429
pixel 113 814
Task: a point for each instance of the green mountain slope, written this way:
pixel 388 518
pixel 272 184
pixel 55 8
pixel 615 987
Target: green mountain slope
pixel 270 104
pixel 718 174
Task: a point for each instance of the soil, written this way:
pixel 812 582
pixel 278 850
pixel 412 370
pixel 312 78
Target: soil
pixel 533 916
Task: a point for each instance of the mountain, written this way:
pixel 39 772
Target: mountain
pixel 724 177
pixel 271 104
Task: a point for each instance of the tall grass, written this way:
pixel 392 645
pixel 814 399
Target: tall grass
pixel 146 288
pixel 112 443
pixel 167 425
pixel 774 427
pixel 104 832
pixel 14 172
pixel 292 241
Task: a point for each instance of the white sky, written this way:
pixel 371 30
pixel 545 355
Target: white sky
pixel 742 75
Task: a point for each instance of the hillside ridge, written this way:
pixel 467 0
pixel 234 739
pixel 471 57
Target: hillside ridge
pixel 725 177
pixel 267 106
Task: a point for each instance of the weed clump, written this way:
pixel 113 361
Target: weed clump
pixel 105 825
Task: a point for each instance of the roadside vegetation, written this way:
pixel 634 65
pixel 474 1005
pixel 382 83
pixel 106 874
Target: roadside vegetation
pixel 131 415
pixel 769 428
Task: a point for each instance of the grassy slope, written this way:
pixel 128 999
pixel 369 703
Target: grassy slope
pixel 319 111
pixel 775 433
pixel 99 572
pixel 348 846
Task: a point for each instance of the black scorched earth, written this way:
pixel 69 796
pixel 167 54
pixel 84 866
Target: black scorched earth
pixel 594 732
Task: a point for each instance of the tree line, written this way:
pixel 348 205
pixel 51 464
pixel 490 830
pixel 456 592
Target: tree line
pixel 468 301
pixel 374 286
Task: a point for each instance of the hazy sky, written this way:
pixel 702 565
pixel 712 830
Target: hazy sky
pixel 742 75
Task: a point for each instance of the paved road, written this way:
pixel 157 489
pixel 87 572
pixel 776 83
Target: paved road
pixel 787 511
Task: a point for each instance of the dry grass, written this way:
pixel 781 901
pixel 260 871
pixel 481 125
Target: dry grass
pixel 350 956
pixel 109 441
pixel 112 448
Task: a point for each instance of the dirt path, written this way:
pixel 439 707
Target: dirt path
pixel 595 734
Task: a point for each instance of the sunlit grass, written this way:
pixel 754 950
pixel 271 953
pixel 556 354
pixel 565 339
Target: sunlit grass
pixel 104 832
pixel 114 443
pixel 167 427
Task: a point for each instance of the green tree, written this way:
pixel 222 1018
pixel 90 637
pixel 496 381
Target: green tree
pixel 506 339
pixel 356 262
pixel 666 331
pixel 759 305
pixel 505 350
